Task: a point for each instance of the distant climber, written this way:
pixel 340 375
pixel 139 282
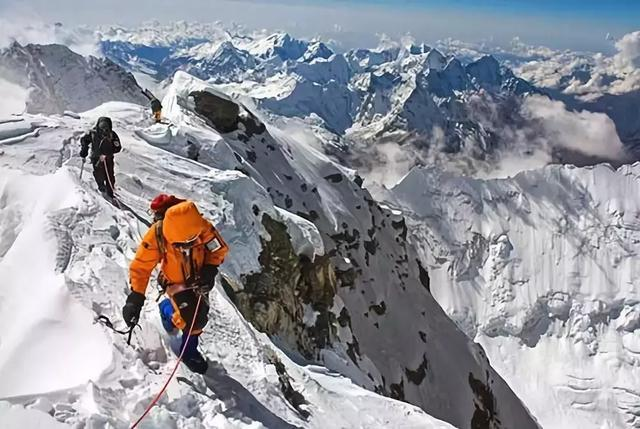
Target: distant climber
pixel 189 249
pixel 104 143
pixel 155 104
pixel 156 110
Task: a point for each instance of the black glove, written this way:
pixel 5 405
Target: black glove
pixel 132 308
pixel 208 278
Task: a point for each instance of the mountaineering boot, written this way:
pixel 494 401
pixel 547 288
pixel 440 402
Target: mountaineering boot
pixel 192 358
pixel 197 364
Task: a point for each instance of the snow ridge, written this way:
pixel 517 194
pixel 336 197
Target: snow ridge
pixel 83 245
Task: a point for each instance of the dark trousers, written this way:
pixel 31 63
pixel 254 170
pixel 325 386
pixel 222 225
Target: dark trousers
pixel 104 175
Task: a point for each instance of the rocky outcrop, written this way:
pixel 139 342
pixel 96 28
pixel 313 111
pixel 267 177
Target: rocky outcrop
pixel 291 296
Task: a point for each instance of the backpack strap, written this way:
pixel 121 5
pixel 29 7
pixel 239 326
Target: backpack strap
pixel 162 284
pixel 160 239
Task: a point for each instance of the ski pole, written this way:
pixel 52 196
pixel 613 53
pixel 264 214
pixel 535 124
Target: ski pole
pixel 82 168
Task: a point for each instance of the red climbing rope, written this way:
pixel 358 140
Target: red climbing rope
pixel 184 347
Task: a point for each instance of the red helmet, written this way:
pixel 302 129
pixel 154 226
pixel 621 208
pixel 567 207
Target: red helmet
pixel 162 202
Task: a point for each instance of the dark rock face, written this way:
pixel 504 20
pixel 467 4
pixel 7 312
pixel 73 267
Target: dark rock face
pixel 273 299
pixel 423 275
pixel 226 116
pixel 485 415
pixel 221 112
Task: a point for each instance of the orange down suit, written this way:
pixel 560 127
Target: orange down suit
pixel 183 226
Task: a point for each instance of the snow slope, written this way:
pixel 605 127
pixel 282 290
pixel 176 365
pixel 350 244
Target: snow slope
pixel 68 249
pixel 541 269
pixel 53 74
pixel 66 334
pixel 388 333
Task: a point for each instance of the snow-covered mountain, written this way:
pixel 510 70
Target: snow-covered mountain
pixel 348 299
pixel 316 264
pixel 542 271
pixel 421 105
pixel 583 80
pixel 363 296
pixel 53 74
pixel 56 360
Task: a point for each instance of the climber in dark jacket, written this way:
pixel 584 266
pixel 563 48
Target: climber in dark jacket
pixel 104 144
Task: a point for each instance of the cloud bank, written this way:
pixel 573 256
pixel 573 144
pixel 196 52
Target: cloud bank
pixel 14 99
pixel 592 134
pixel 27 28
pixel 540 132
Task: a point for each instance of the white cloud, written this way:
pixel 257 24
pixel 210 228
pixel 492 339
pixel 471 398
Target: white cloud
pixel 541 132
pixel 392 163
pixel 593 134
pixel 28 28
pixel 628 51
pixel 13 100
pixel 615 74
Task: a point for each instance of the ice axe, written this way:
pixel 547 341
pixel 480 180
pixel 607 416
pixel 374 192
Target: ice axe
pixel 82 167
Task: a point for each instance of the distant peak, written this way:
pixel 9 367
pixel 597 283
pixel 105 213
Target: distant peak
pixel 419 49
pixel 317 50
pixel 485 71
pixel 435 60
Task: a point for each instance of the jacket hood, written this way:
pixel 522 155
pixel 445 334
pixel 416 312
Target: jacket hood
pixel 104 119
pixel 183 222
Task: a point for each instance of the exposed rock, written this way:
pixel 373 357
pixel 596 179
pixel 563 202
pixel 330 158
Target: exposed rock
pixel 485 415
pixel 221 112
pixel 273 299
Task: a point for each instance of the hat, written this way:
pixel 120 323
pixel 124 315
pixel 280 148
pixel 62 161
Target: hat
pixel 163 201
pixel 104 124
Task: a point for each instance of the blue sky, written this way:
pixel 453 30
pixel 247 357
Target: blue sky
pixel 572 24
pixel 623 10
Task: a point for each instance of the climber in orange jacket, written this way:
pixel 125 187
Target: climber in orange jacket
pixel 189 249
